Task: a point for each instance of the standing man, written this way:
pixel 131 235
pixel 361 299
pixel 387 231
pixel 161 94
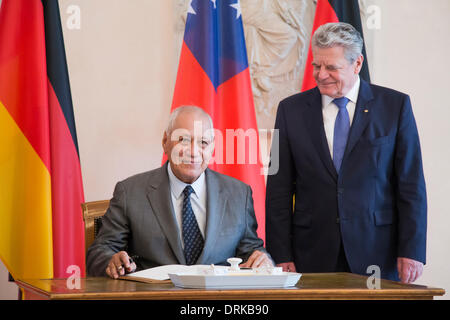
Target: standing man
pixel 350 154
pixel 180 213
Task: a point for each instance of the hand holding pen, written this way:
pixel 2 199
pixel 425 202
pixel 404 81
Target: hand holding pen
pixel 120 264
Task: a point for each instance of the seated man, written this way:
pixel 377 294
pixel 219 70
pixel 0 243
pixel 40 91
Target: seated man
pixel 181 213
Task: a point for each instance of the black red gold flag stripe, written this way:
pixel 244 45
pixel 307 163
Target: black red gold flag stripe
pixel 41 227
pixel 335 11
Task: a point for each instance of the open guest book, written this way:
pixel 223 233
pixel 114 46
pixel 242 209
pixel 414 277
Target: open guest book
pixel 160 274
pixel 212 276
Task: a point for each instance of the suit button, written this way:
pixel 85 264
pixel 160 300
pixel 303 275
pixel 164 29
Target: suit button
pixel 340 191
pixel 338 220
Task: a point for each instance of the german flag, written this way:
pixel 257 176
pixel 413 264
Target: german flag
pixel 41 227
pixel 335 11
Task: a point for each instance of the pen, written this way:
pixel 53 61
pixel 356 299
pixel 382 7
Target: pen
pixel 130 261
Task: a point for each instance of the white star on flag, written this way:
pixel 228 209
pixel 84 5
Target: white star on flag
pixel 214 1
pixel 237 6
pixel 190 9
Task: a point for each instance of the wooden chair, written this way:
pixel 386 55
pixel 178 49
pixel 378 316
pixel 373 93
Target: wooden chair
pixel 92 215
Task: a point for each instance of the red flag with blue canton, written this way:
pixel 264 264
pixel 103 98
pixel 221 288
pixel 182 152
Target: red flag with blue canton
pixel 213 74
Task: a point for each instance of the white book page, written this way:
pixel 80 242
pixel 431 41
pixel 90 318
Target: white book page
pixel 162 272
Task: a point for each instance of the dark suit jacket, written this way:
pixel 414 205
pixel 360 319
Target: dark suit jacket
pixel 377 203
pixel 141 221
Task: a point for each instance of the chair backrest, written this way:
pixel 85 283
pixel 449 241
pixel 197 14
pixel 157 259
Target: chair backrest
pixel 92 215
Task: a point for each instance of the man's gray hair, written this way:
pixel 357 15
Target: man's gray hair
pixel 175 113
pixel 339 34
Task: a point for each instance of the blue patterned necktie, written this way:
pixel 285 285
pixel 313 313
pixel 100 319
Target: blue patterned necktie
pixel 341 130
pixel 192 237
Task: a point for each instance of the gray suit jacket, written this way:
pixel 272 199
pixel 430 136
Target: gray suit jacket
pixel 141 221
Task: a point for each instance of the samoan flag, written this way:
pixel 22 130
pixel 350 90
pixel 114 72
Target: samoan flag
pixel 213 74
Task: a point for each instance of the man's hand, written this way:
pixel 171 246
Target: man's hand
pixel 119 263
pixel 409 270
pixel 287 266
pixel 257 259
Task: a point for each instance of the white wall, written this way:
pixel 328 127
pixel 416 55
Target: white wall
pixel 409 53
pixel 122 65
pixel 122 77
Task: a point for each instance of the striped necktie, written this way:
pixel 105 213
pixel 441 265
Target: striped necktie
pixel 192 237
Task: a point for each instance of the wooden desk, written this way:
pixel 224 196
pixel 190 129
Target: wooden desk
pixel 316 286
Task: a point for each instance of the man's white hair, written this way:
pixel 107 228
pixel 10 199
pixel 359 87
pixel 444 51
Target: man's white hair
pixel 339 34
pixel 175 113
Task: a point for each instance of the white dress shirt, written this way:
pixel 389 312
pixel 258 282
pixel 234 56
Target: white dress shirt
pixel 198 200
pixel 330 111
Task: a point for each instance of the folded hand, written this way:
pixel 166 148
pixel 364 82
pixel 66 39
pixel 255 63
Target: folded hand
pixel 257 259
pixel 409 270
